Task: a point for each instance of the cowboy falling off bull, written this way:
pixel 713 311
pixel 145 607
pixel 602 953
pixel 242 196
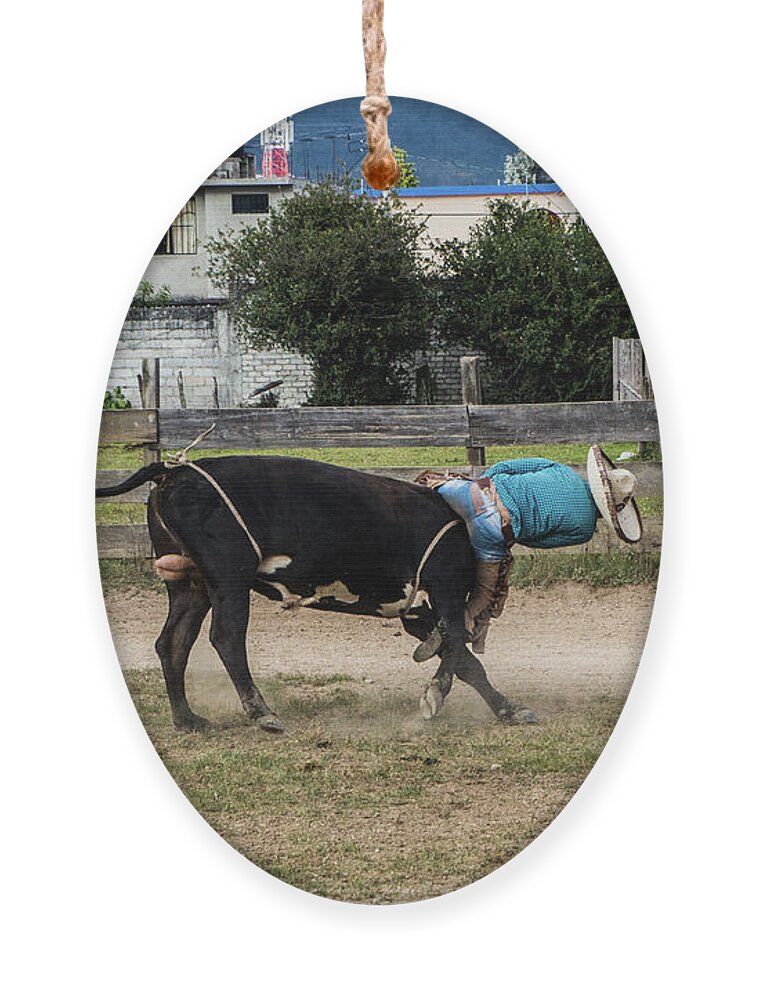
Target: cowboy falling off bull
pixel 217 536
pixel 536 503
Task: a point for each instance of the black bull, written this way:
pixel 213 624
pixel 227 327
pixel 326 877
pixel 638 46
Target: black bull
pixel 336 538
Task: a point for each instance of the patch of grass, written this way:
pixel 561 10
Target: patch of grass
pixel 311 700
pixel 125 457
pixel 314 680
pixel 119 456
pixel 597 569
pixel 118 574
pixel 650 506
pixel 375 817
pixel 568 454
pixel 120 513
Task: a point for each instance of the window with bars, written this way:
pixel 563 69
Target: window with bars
pixel 182 236
pixel 249 204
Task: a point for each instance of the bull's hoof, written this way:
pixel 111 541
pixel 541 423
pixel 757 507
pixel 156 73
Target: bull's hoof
pixel 517 715
pixel 432 700
pixel 191 723
pixel 524 717
pixel 270 724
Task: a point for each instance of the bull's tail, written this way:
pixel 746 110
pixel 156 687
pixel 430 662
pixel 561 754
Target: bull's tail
pixel 149 474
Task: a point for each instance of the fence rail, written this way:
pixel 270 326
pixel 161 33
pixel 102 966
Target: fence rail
pixel 562 423
pixel 471 426
pixel 131 541
pixel 129 427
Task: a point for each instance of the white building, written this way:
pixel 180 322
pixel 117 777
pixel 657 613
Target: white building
pixel 452 211
pixel 202 362
pixel 231 197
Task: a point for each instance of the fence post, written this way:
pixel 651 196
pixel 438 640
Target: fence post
pixel 471 390
pixel 180 387
pixel 631 380
pixel 150 391
pixel 424 385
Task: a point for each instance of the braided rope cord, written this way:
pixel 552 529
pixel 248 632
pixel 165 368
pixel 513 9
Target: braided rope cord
pixel 379 166
pixel 429 549
pixel 180 458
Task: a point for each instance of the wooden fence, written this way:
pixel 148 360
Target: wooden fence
pixel 471 426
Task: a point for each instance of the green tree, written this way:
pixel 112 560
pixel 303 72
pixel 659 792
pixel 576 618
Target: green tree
pixel 408 176
pixel 337 278
pixel 539 299
pixel 116 400
pixel 599 312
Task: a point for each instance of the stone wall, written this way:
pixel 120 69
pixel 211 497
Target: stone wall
pixel 260 367
pixel 203 364
pixel 195 343
pixel 445 373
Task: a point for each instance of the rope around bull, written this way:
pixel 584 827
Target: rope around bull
pixel 177 459
pixel 180 458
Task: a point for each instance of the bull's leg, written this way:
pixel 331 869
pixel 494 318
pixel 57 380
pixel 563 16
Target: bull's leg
pixel 457 660
pixel 470 670
pixel 231 612
pixel 436 691
pixel 419 623
pixel 452 630
pixel 188 606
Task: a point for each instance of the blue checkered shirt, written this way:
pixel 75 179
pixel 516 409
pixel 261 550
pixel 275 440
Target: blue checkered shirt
pixel 550 505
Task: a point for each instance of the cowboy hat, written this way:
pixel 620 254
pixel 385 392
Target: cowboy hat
pixel 612 490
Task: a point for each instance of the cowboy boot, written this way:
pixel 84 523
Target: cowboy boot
pixel 431 645
pixel 482 605
pixel 482 601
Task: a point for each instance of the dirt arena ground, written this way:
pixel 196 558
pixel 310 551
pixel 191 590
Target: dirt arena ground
pixel 562 643
pixel 361 799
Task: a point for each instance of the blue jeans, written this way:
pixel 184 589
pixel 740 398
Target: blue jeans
pixel 485 527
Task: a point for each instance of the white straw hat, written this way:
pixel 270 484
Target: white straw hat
pixel 613 493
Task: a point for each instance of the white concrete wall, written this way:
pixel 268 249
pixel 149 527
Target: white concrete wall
pixel 199 341
pixel 454 216
pixel 259 367
pixel 449 217
pixel 185 274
